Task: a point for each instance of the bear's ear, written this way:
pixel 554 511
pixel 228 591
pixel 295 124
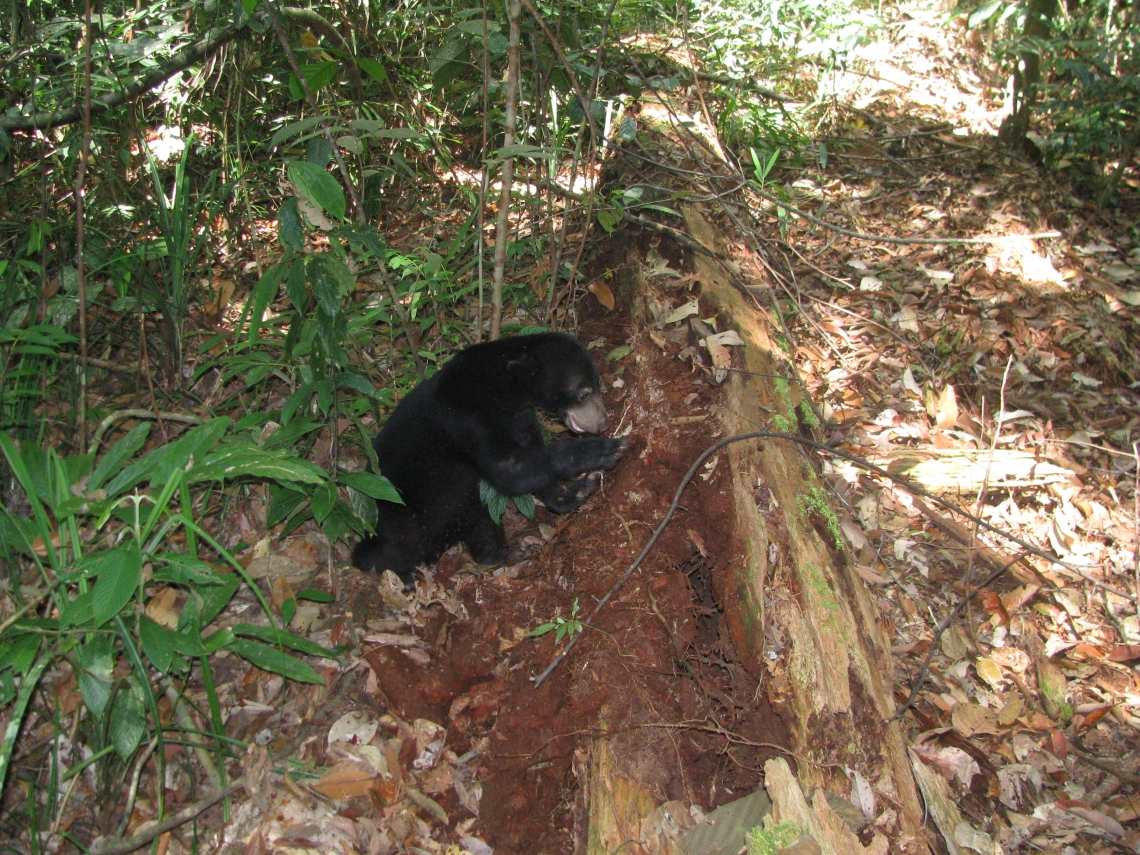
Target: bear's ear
pixel 524 368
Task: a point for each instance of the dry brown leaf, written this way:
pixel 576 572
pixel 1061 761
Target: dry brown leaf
pixel 989 671
pixel 345 781
pixel 602 291
pixel 993 605
pixel 160 608
pixel 1124 653
pixel 281 591
pixel 971 719
pixel 1012 709
pixel 947 411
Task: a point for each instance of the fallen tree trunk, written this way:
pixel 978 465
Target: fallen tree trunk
pixel 800 620
pixel 832 678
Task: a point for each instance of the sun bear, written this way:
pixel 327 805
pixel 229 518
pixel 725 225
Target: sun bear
pixel 475 419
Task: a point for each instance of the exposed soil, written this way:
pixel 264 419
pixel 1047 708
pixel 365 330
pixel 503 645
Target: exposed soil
pixel 657 671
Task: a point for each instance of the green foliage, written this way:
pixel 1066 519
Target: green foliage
pixel 496 502
pixel 93 526
pixel 815 502
pixel 770 839
pixel 560 626
pixel 1089 98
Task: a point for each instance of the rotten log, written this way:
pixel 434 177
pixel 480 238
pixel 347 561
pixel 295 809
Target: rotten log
pixel 830 675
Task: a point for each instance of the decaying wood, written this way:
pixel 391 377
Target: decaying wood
pixel 830 673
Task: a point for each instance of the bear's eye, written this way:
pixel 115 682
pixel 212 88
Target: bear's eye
pixel 584 393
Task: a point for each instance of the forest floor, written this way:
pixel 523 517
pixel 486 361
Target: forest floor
pixel 1002 377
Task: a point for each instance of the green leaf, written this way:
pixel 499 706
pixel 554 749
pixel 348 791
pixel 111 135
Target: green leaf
pixel 245 459
pixel 330 281
pixel 77 612
pixel 294 129
pixel 475 28
pixel 157 643
pixel 495 501
pixel 186 570
pixel 317 74
pixel 118 454
pixel 372 68
pixel 619 353
pixel 288 610
pixel 525 505
pixel 319 151
pixel 370 484
pixel 315 595
pixel 119 574
pixel 322 500
pixel 271 659
pixel 523 150
pixel 93 670
pixel 282 637
pixel 158 464
pixel 128 721
pixel 290 229
pixel 18 651
pixel 215 599
pixel 161 644
pixel 318 186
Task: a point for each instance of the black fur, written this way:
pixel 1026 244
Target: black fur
pixel 475 419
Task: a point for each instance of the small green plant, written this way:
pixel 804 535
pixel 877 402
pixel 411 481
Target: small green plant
pixel 496 502
pixel 769 840
pixel 105 535
pixel 560 626
pixel 815 502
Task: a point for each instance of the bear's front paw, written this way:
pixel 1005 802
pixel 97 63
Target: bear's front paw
pixel 608 453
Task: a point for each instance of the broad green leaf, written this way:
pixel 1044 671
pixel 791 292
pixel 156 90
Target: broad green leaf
pixel 282 638
pixel 128 721
pixel 161 643
pixel 294 129
pixel 317 74
pixel 158 464
pixel 319 151
pixel 330 281
pixel 525 505
pixel 18 651
pixel 119 575
pixel 218 640
pixel 290 229
pixel 93 670
pixel 475 28
pixel 157 643
pixel 77 612
pixel 376 486
pixel 365 509
pixel 352 380
pixel 118 454
pixel 318 186
pixel 276 661
pixel 215 599
pixel 186 570
pixel 315 595
pixel 322 501
pixel 372 68
pixel 495 501
pixel 244 459
pixel 523 150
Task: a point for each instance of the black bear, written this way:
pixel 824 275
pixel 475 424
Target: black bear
pixel 474 419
